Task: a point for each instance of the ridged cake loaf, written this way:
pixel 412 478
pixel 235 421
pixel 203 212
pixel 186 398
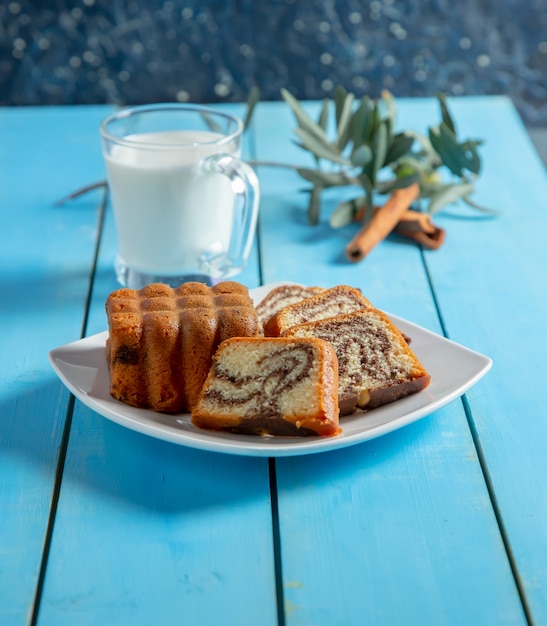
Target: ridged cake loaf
pixel 162 340
pixel 271 386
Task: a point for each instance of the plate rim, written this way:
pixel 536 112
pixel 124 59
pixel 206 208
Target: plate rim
pixel 246 445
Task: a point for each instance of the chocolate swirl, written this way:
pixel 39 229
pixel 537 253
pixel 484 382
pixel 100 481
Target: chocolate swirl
pixel 368 350
pixel 317 309
pixel 275 374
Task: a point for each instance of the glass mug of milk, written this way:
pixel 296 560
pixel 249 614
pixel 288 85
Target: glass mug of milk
pixel 185 205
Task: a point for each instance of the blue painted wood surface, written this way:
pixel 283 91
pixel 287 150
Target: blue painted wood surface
pixel 442 522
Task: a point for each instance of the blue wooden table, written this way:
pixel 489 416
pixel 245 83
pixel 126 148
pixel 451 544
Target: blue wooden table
pixel 441 522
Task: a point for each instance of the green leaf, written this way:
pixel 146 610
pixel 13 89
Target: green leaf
pixel 389 129
pixel 319 148
pixel 367 185
pixel 361 156
pixel 456 156
pixel 324 115
pixel 295 106
pixel 378 145
pixel 340 94
pixel 445 113
pixel 303 119
pixel 324 179
pixel 252 101
pixel 345 212
pixel 379 148
pixel 391 114
pixel 361 121
pixel 448 194
pixel 473 158
pixel 444 142
pixel 314 206
pixel 400 146
pixel 343 129
pixel 391 107
pixel 375 121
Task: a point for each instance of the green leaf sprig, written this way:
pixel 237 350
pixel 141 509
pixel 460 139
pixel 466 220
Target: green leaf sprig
pixel 367 151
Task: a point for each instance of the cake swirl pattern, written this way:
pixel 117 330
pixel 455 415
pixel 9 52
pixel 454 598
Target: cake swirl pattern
pixel 276 373
pixel 271 386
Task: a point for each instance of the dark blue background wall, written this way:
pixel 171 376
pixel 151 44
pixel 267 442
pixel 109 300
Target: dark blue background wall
pixel 135 51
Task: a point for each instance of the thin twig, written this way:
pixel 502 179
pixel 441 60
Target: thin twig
pixel 81 192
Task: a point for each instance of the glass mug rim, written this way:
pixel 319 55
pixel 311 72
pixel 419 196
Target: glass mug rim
pixel 128 112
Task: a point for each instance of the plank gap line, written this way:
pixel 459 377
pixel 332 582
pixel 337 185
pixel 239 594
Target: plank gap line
pixel 276 538
pixel 483 466
pixel 63 448
pixel 497 511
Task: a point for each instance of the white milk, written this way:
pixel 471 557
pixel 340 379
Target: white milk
pixel 167 211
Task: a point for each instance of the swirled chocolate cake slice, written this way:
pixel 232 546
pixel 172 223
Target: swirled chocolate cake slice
pixel 271 386
pixel 375 363
pixel 161 340
pixel 282 296
pixel 328 303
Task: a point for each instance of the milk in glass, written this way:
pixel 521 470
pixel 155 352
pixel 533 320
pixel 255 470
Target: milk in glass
pixel 169 211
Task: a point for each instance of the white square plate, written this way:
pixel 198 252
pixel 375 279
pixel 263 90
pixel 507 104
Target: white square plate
pixel 82 367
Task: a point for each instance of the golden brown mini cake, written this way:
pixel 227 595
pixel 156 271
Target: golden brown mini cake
pixel 161 340
pixel 331 302
pixel 271 386
pixel 282 296
pixel 376 364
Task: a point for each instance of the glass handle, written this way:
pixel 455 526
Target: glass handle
pixel 246 190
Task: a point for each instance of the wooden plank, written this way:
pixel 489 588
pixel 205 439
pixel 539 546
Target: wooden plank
pixel 45 257
pixel 396 530
pixel 150 532
pixel 495 301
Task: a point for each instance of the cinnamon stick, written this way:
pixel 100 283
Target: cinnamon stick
pixel 382 222
pixel 418 227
